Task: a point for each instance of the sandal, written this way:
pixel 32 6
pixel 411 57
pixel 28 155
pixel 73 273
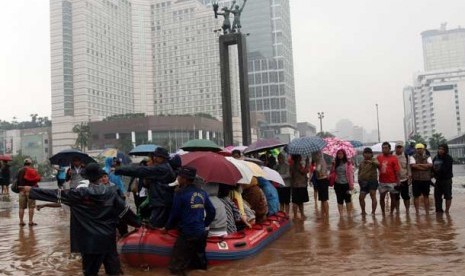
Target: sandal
pixel 32 224
pixel 22 224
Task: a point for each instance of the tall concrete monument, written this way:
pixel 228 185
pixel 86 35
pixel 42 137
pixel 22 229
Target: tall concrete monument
pixel 232 36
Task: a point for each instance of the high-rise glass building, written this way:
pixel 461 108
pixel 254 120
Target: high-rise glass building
pixel 271 69
pixel 161 57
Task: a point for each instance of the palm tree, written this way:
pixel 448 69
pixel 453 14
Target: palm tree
pixel 418 138
pixel 83 133
pixel 435 140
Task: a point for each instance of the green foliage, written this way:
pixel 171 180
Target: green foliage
pixel 124 116
pixel 45 170
pixel 418 138
pixel 83 132
pixel 36 121
pixel 325 134
pixel 205 115
pixel 435 140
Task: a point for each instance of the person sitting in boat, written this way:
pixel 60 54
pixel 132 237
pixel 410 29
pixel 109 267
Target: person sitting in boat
pixel 191 214
pixel 271 195
pixel 236 196
pixel 257 200
pixel 219 225
pixel 157 176
pixel 233 215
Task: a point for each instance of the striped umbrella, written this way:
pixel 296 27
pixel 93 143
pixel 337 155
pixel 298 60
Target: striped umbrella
pixel 306 145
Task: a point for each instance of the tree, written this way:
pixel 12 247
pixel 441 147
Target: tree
pixel 325 134
pixel 418 138
pixel 83 133
pixel 435 140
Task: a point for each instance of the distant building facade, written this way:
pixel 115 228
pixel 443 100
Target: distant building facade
pixel 443 49
pixel 167 131
pixel 33 142
pixel 435 103
pixel 306 129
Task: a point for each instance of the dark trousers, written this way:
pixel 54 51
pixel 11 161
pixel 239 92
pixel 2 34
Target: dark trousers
pixel 91 263
pixel 188 252
pixel 443 188
pixel 159 216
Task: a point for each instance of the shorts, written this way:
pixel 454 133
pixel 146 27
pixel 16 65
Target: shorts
pixel 443 187
pixel 284 194
pixel 421 187
pixel 323 185
pixel 387 187
pixel 342 193
pixel 299 195
pixel 367 186
pixel 25 202
pixel 404 190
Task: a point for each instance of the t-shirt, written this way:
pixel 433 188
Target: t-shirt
pixel 403 165
pixel 368 170
pixel 388 168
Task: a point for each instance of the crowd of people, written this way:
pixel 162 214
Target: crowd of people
pixel 168 195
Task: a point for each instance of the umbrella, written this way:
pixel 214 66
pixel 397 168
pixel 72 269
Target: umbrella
pixel 246 172
pixel 232 148
pixel 254 160
pixel 212 167
pixel 335 144
pixel 356 144
pixel 306 145
pixel 273 176
pixel 378 147
pixel 65 157
pixel 256 170
pixel 112 152
pixel 263 145
pixel 5 157
pixel 200 145
pixel 143 150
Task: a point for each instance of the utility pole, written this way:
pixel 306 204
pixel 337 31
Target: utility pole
pixel 321 115
pixel 377 121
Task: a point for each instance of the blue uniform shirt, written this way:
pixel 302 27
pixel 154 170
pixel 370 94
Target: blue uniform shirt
pixel 192 211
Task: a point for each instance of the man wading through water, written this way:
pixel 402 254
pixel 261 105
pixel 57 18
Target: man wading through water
pixel 95 211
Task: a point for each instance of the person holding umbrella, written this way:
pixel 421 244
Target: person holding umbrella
pixel 344 182
pixel 73 175
pixel 5 177
pixel 299 180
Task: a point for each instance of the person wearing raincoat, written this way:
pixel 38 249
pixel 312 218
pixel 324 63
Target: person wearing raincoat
pixel 95 212
pixel 115 179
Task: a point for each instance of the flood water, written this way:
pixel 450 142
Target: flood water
pixel 391 245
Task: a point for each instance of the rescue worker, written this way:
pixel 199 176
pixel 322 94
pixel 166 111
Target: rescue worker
pixel 95 211
pixel 157 176
pixel 191 214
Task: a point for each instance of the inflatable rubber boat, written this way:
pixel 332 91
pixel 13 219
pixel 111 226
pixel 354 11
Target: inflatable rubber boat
pixel 146 247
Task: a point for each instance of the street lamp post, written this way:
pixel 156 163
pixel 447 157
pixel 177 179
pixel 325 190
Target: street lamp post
pixel 377 121
pixel 321 115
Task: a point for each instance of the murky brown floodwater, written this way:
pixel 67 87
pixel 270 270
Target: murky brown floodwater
pixel 402 245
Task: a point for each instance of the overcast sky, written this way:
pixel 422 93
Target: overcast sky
pixel 348 56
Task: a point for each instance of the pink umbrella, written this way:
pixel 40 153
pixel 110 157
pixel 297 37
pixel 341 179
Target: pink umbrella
pixel 335 144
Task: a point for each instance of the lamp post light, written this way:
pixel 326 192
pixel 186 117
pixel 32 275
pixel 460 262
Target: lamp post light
pixel 321 115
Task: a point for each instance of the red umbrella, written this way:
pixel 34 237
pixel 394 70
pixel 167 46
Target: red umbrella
pixel 212 167
pixel 5 158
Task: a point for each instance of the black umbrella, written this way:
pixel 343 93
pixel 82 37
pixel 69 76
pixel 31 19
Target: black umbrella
pixel 65 157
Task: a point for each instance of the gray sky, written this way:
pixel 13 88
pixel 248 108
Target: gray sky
pixel 348 56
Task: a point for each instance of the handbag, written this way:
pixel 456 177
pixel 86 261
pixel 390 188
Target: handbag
pixel 14 187
pixel 332 178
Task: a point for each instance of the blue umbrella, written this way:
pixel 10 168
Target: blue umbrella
pixel 306 145
pixel 143 150
pixel 65 157
pixel 356 144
